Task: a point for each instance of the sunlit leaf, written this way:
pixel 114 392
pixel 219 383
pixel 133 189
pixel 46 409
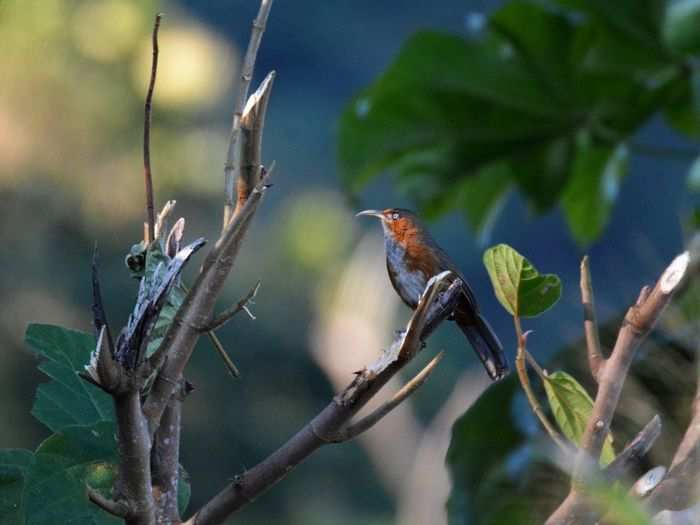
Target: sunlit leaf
pixel 572 407
pixel 518 286
pixel 67 399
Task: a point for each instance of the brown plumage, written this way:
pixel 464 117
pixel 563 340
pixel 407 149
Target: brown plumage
pixel 412 258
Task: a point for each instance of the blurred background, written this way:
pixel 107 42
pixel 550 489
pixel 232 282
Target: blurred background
pixel 71 112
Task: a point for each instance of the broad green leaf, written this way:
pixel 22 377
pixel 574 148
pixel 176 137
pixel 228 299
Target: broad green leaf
pixel 572 406
pixel 14 464
pixel 521 290
pixel 55 487
pixel 592 189
pixel 427 102
pixel 680 26
pixel 67 399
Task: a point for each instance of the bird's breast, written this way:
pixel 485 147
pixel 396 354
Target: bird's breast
pixel 408 280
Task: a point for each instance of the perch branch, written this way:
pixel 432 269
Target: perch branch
pixel 596 361
pixel 150 213
pixel 367 422
pixel 226 315
pixel 521 367
pixel 251 54
pixel 639 320
pixel 432 308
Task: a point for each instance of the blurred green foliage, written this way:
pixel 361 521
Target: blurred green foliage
pixel 542 97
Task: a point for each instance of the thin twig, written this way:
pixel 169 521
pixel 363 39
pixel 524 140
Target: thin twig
pixel 228 362
pixel 120 509
pixel 150 207
pixel 355 429
pixel 596 361
pixel 251 54
pixel 521 367
pixel 242 305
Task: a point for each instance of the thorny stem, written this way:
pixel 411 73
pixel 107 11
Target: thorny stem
pixel 521 367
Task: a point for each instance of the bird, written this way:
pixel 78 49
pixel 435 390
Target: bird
pixel 412 258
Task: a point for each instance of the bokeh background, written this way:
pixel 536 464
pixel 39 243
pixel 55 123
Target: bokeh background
pixel 73 76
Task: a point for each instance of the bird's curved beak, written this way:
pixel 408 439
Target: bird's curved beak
pixel 370 213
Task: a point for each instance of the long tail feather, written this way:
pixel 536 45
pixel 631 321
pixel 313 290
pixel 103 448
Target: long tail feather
pixel 486 344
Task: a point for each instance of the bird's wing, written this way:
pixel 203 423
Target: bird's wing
pixel 466 289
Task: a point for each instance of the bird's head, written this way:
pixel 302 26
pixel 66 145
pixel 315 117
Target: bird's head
pixel 396 222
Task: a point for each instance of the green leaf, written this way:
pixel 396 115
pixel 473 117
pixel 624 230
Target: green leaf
pixel 593 188
pixel 14 464
pixel 67 399
pixel 680 26
pixel 521 290
pixel 572 407
pixel 55 487
pixel 423 107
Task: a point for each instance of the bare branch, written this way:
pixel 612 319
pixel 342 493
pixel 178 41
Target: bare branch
pixel 596 361
pixel 230 365
pixel 433 307
pixel 247 70
pixel 355 429
pixel 134 482
pixel 638 321
pixel 242 305
pixel 120 509
pixel 165 461
pixel 248 159
pixel 197 309
pixel 150 213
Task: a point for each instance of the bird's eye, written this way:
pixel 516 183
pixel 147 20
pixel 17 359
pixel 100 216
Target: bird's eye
pixel 394 215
